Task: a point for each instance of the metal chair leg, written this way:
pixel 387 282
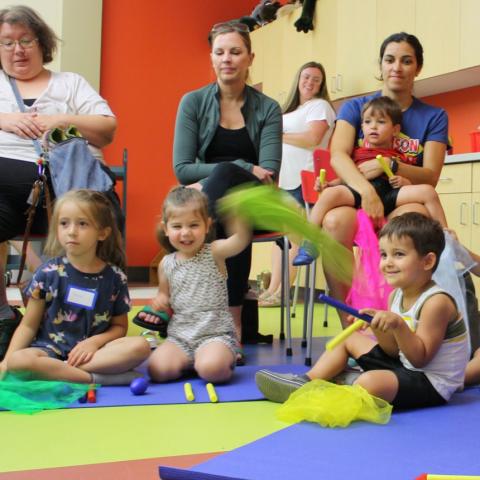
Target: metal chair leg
pixel 286 293
pixel 295 292
pixel 305 305
pixel 325 312
pixel 311 304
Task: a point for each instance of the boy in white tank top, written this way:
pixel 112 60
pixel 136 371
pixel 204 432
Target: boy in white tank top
pixel 421 349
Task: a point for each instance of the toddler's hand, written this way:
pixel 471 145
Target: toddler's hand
pixel 384 320
pixel 397 181
pixel 82 353
pixel 161 302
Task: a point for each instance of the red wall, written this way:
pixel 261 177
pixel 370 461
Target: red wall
pixel 152 53
pixel 463 108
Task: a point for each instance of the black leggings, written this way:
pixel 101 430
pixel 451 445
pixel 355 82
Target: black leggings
pixel 223 177
pixel 16 181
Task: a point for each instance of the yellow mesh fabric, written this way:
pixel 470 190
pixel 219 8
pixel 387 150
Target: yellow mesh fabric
pixel 333 405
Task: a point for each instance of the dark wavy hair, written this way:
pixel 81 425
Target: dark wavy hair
pixel 425 232
pixel 386 107
pixel 22 15
pixel 412 40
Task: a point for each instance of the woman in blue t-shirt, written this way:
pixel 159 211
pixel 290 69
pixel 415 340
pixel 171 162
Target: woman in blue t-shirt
pixel 423 139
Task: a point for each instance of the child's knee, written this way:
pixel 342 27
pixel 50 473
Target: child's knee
pixel 429 193
pixel 21 361
pixel 214 369
pixel 139 348
pixel 368 381
pixel 160 372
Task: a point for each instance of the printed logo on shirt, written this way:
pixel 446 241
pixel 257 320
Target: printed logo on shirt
pixel 411 148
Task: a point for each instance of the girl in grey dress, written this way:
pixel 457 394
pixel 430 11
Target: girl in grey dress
pixel 192 282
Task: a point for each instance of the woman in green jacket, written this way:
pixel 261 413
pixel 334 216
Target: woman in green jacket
pixel 226 134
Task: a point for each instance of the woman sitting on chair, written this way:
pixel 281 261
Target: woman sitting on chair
pixel 226 134
pixel 51 100
pixel 308 121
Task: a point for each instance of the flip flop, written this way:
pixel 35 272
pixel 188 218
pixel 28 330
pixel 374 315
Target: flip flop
pixel 160 327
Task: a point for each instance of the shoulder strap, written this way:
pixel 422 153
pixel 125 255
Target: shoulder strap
pixel 21 106
pixel 39 186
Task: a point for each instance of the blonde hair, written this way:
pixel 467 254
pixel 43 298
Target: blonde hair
pixel 99 210
pixel 179 197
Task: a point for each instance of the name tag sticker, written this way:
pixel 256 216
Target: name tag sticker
pixel 81 297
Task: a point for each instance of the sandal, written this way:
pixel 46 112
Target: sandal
pixel 274 300
pixel 160 327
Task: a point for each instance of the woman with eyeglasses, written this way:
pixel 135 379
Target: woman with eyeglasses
pixel 226 134
pixel 51 100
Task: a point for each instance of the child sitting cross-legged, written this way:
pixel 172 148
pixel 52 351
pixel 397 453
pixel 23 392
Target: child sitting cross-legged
pixel 421 349
pixel 75 324
pixel 381 121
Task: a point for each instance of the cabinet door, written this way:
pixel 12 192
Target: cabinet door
pixel 470 24
pixel 476 177
pixel 297 50
pixel 324 40
pixel 272 60
pixel 455 178
pixel 258 48
pixel 458 210
pixel 437 26
pixel 390 20
pixel 356 47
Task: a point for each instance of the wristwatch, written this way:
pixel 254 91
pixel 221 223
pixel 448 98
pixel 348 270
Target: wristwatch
pixel 394 166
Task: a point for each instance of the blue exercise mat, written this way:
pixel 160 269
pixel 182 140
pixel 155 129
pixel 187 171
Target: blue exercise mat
pixel 437 440
pixel 241 388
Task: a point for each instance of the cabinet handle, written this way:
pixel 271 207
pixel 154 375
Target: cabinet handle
pixel 474 213
pixel 463 206
pixel 333 88
pixel 339 82
pixel 445 179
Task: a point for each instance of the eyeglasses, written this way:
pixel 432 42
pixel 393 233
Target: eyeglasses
pixel 24 43
pixel 235 26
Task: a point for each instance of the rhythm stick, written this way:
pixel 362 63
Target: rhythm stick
pixel 91 394
pixel 321 177
pixel 384 165
pixel 429 476
pixel 357 325
pixel 212 394
pixel 187 388
pixel 352 328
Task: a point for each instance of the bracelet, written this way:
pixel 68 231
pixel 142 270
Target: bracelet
pixel 394 166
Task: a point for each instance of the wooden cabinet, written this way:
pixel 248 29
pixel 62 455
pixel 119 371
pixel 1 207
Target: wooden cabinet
pixel 356 49
pixel 470 25
pixel 459 191
pixel 437 26
pixel 347 39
